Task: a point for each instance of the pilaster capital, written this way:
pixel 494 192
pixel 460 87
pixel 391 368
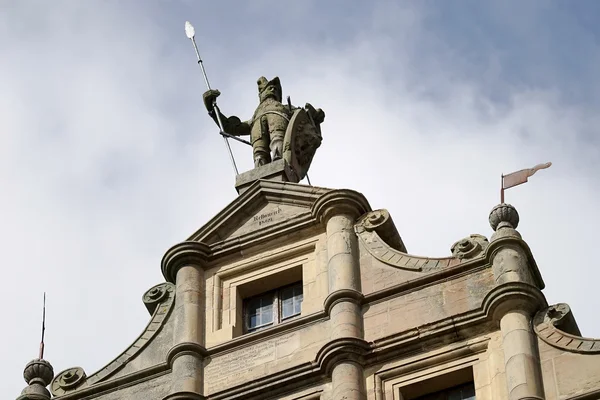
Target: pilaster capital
pixel 349 295
pixel 184 396
pixel 340 350
pixel 184 253
pixel 341 201
pixel 513 296
pixel 186 348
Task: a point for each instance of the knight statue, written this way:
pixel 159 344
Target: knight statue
pixel 276 130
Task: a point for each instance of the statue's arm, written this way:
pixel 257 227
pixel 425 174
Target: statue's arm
pixel 231 125
pixel 317 114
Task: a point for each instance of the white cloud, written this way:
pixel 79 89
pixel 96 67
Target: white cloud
pixel 107 159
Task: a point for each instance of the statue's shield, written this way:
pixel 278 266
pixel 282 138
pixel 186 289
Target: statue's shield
pixel 301 141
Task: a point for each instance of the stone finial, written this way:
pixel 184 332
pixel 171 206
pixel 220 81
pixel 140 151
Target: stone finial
pixel 38 374
pixel 504 216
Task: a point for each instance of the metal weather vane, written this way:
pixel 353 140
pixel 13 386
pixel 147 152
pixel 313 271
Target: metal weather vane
pixel 190 32
pixel 519 177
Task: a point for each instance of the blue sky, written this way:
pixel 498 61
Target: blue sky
pixel 107 157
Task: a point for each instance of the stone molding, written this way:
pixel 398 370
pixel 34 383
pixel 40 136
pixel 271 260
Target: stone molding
pixel 74 379
pixel 182 254
pixel 545 326
pixel 460 351
pixel 339 201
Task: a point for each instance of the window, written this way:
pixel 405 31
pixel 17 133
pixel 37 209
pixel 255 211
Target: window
pixel 273 307
pixel 462 392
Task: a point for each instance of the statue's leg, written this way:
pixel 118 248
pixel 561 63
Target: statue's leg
pixel 277 144
pixel 260 147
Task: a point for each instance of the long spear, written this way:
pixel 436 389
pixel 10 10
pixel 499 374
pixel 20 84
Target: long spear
pixel 191 33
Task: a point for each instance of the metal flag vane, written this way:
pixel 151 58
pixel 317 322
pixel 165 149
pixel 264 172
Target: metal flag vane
pixel 43 328
pixel 519 177
pixel 190 32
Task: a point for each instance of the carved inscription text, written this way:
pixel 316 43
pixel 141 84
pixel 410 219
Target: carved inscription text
pixel 234 368
pixel 267 217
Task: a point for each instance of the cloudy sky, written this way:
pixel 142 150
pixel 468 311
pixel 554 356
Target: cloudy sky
pixel 107 157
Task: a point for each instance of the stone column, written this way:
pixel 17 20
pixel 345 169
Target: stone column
pixel 339 210
pixel 518 297
pixel 183 265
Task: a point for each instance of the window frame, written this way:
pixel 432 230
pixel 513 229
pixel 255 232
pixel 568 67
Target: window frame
pixel 277 307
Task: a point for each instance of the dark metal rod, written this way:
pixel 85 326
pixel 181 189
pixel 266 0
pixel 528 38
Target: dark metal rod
pixel 43 328
pixel 214 104
pixel 235 138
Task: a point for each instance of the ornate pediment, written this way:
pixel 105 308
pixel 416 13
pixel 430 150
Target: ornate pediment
pixel 266 207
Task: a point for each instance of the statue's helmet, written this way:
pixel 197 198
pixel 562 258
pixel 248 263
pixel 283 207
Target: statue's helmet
pixel 264 84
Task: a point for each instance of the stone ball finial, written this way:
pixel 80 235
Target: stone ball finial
pixel 38 371
pixel 504 216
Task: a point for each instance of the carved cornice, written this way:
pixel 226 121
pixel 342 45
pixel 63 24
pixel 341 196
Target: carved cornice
pixel 182 254
pixel 74 379
pixel 546 325
pixel 512 296
pixel 340 201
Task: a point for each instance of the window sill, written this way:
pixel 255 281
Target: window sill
pixel 289 325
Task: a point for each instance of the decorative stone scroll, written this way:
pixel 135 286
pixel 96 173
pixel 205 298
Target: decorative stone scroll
pixel 159 301
pixel 379 237
pixel 470 247
pixel 551 325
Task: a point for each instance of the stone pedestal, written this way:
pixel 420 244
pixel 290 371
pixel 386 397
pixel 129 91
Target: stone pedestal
pixel 277 171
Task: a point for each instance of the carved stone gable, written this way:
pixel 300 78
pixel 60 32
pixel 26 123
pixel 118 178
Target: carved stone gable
pixel 266 206
pixel 271 214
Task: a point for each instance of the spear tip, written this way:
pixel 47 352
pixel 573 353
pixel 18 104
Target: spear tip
pixel 189 30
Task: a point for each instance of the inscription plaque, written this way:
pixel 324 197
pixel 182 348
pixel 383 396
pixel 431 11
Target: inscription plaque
pixel 248 363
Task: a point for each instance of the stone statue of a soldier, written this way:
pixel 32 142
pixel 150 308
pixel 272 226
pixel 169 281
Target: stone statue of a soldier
pixel 267 127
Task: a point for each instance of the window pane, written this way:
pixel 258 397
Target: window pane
pixel 260 311
pixel 287 307
pixel 253 321
pixel 266 313
pixel 291 301
pixel 298 302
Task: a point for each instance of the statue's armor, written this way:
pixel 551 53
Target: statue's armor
pixel 268 126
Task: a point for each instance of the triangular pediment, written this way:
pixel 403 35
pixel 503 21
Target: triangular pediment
pixel 264 207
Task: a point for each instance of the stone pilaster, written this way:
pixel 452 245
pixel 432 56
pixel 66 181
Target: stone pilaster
pixel 517 298
pixel 339 210
pixel 183 265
